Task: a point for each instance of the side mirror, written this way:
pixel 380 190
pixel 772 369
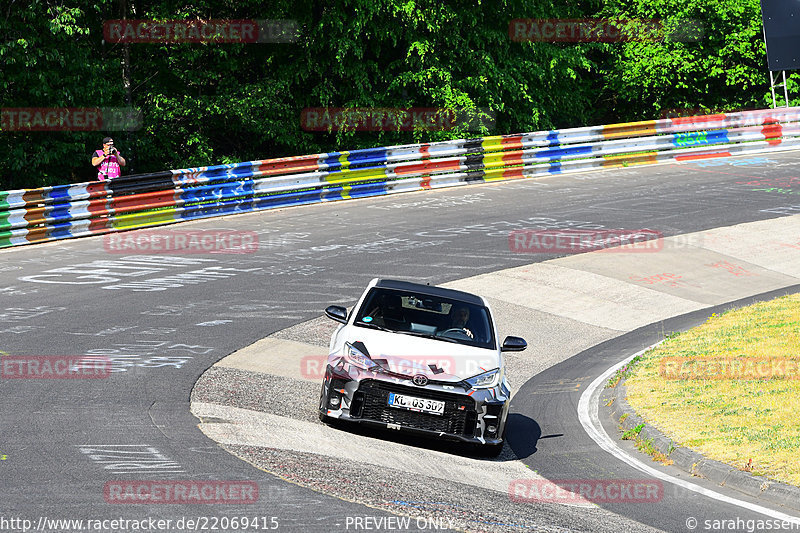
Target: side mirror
pixel 513 344
pixel 338 313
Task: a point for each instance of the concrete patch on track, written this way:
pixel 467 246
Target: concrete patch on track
pixel 767 243
pixel 429 501
pixel 246 427
pixel 557 288
pixel 278 357
pixel 698 275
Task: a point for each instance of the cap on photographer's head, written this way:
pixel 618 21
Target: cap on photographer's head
pixel 108 140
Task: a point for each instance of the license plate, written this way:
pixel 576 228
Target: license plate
pixel 412 403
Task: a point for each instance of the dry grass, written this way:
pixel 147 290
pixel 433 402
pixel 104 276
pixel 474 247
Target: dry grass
pixel 752 424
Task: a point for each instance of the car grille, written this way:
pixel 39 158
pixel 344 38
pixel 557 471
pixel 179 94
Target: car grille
pixel 372 397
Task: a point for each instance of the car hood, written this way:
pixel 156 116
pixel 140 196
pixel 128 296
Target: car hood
pixel 409 355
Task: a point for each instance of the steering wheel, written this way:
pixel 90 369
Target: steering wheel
pixel 466 333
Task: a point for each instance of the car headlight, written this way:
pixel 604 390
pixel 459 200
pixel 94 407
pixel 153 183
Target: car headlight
pixel 487 380
pixel 356 358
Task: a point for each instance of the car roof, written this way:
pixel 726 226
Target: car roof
pixel 430 291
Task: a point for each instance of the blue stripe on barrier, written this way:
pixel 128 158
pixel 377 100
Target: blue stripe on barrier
pixel 368 189
pixel 700 138
pixel 214 173
pixel 287 199
pixel 367 155
pixel 332 159
pixel 62 230
pixel 60 192
pixel 552 138
pixel 227 207
pixel 218 191
pixel 62 213
pixel 333 193
pixel 559 153
pixel 245 170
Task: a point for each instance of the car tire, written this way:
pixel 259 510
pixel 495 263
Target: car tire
pixel 322 400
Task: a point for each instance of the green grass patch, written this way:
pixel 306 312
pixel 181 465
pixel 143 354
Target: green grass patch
pixel 747 420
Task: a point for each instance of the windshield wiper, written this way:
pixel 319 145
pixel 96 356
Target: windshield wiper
pixel 427 336
pixel 374 326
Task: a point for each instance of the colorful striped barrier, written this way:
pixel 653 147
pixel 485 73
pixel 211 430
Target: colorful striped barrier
pixel 66 211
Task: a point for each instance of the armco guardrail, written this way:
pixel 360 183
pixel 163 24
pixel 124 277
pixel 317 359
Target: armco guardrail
pixel 50 213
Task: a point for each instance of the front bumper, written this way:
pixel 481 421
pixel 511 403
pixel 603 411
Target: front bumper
pixel 473 416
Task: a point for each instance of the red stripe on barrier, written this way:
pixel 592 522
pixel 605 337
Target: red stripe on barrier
pixel 701 156
pixel 513 173
pixel 513 158
pixel 447 164
pixel 283 165
pixel 162 198
pixel 772 131
pixel 99 225
pixel 511 141
pixel 99 205
pixel 698 119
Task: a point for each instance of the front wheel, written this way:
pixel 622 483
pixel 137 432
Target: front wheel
pixel 323 400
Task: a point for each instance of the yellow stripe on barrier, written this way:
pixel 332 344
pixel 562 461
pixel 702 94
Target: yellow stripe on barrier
pixel 143 219
pixel 494 159
pixel 348 176
pixel 629 129
pixel 502 174
pixel 492 144
pixel 644 158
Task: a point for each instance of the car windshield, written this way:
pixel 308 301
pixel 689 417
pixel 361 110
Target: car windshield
pixel 429 316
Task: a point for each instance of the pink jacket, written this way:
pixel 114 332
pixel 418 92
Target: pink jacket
pixel 109 168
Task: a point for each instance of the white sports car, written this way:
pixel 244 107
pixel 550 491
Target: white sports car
pixel 419 359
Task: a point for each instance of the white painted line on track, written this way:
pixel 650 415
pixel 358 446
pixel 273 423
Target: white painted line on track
pixel 590 420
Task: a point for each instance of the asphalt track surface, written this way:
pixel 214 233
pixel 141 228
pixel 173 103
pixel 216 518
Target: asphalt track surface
pixel 163 325
pixel 566 452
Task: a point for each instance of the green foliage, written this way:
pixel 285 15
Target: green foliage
pixel 632 433
pixel 725 69
pixel 210 103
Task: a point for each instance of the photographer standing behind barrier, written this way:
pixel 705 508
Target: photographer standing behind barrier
pixel 108 160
